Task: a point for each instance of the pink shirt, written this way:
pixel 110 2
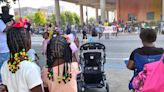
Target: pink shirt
pixel 54 86
pixel 44 46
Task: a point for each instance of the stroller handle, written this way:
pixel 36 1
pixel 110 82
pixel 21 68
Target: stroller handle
pixel 93 45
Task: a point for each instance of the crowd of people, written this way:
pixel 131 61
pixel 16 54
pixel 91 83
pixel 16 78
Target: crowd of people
pixel 20 71
pixel 19 67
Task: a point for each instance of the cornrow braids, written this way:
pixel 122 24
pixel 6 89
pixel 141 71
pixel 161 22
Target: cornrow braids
pixel 18 42
pixel 58 48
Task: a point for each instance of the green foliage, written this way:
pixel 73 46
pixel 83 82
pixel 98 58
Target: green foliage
pixel 39 18
pixel 92 20
pixel 63 18
pixel 69 17
pixel 52 18
pixel 76 19
pixel 30 16
pixel 17 17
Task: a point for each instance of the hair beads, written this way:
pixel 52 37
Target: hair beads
pixel 57 49
pixel 14 61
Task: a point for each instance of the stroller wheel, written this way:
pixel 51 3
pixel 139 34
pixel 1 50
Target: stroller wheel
pixel 107 87
pixel 80 87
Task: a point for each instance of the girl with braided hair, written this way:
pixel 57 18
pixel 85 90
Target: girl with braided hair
pixel 19 74
pixel 61 71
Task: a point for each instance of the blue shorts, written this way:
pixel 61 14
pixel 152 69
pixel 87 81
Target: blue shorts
pixel 3 58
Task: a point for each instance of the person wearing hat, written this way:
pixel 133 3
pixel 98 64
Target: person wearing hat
pixel 5 22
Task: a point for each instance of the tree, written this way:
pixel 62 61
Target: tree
pixel 63 18
pixel 76 18
pixel 92 19
pixel 51 19
pixel 17 17
pixel 2 1
pixel 39 18
pixel 69 17
pixel 30 16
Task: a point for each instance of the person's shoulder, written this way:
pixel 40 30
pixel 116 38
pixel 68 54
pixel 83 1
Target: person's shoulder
pixel 32 51
pixel 136 50
pixel 28 64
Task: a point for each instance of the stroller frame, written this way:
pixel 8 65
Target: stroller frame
pixel 90 50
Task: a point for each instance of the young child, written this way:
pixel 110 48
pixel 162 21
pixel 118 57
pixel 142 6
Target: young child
pixel 19 73
pixel 60 75
pixel 45 42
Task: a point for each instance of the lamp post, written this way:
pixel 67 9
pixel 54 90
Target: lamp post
pixel 19 7
pixel 86 13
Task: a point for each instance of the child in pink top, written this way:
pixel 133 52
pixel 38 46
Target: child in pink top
pixel 45 42
pixel 60 75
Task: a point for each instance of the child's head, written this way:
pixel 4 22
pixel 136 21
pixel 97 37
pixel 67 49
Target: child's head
pixel 58 49
pixel 148 35
pixel 18 39
pixel 45 35
pixel 19 42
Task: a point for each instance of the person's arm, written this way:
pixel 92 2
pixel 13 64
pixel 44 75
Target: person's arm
pixel 3 26
pixel 3 88
pixel 46 89
pixel 37 89
pixel 131 64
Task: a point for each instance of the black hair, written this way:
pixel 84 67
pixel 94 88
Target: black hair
pixel 18 39
pixel 45 34
pixel 58 48
pixel 148 35
pixel 18 43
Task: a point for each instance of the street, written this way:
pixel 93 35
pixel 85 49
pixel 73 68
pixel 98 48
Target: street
pixel 117 49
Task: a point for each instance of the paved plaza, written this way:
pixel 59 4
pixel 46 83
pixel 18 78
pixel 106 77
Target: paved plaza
pixel 117 48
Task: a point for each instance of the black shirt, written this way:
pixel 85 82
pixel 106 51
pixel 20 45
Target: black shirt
pixel 147 51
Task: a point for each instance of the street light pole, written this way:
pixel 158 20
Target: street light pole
pixel 19 8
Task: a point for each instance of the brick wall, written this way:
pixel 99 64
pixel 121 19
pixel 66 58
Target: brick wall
pixel 139 8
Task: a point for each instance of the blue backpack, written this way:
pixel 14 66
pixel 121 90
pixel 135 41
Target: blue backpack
pixel 140 61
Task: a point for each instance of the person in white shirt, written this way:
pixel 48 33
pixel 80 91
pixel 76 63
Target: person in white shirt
pixel 19 73
pixel 4 51
pixel 5 19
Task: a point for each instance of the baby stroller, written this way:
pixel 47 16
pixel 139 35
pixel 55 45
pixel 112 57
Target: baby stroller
pixel 92 60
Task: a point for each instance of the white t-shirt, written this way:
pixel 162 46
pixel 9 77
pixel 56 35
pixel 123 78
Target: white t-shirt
pixel 3 38
pixel 26 78
pixel 31 53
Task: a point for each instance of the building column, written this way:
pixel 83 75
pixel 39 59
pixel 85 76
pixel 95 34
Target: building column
pixel 57 12
pixel 117 15
pixel 107 15
pixel 97 17
pixel 81 15
pixel 163 10
pixel 102 6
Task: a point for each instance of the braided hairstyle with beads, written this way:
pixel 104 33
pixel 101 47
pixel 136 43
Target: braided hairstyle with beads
pixel 58 48
pixel 19 41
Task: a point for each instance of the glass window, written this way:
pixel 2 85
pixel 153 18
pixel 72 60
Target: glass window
pixel 150 16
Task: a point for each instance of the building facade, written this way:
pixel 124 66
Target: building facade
pixel 139 10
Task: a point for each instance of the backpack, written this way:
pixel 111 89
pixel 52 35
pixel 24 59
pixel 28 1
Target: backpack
pixel 140 61
pixel 151 79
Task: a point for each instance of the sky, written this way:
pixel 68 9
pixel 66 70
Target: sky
pixel 42 3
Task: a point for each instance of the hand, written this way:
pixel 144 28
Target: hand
pixel 3 88
pixel 43 53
